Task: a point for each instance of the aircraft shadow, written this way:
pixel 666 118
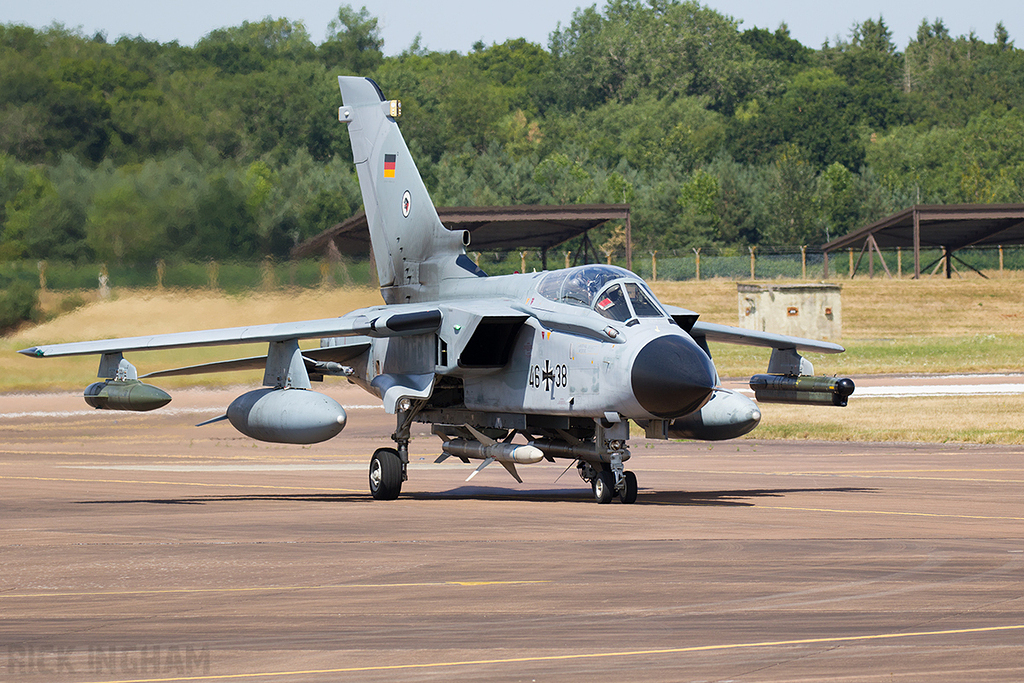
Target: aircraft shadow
pixel 736 498
pixel 261 497
pixel 645 497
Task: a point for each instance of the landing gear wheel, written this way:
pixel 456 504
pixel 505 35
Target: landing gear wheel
pixel 604 486
pixel 628 492
pixel 385 474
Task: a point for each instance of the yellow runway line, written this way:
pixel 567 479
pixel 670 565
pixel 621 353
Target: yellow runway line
pixel 591 655
pixel 888 512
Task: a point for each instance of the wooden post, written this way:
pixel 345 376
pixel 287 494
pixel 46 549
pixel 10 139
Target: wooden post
pixel 522 262
pixel 803 261
pixel 567 255
pixel 752 272
pixel 824 275
pixel 899 262
pixel 42 275
pixel 629 243
pixel 1000 258
pixel 268 280
pixel 851 262
pixel 917 243
pixel 871 263
pixel 161 268
pixel 654 266
pixel 326 281
pixel 211 273
pixel 104 282
pixel 697 254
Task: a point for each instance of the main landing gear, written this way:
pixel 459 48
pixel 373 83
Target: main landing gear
pixel 389 466
pixel 604 484
pixel 385 474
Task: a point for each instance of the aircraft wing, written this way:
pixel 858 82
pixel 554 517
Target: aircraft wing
pixel 703 332
pixel 745 337
pixel 369 322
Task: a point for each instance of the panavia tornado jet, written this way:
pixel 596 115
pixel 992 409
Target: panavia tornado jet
pixel 512 369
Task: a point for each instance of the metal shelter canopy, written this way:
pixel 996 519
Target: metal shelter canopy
pixel 949 227
pixel 498 228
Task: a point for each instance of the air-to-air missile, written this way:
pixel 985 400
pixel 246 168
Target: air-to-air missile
pixel 803 390
pixel 500 452
pixel 127 394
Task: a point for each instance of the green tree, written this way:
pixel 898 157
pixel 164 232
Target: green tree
pixel 814 113
pixel 353 42
pixel 872 68
pixel 661 47
pixel 121 225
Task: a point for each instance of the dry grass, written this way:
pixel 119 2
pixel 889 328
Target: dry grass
pixel 131 313
pixel 968 419
pixel 891 326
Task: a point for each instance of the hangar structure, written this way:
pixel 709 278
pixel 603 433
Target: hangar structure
pixel 949 227
pixel 492 228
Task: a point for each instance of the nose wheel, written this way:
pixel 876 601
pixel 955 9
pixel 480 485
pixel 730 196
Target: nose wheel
pixel 603 485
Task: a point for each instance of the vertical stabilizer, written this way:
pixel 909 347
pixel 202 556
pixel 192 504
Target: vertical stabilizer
pixel 412 249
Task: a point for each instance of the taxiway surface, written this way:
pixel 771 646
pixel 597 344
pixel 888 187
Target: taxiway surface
pixel 136 547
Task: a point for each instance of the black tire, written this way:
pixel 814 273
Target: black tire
pixel 628 492
pixel 385 474
pixel 604 487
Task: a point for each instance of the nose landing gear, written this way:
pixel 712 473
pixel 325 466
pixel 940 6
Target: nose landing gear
pixel 604 484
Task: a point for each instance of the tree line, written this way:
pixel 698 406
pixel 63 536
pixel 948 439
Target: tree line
pixel 720 137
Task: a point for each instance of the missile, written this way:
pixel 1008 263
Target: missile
pixel 128 394
pixel 726 415
pixel 299 416
pixel 501 452
pixel 802 390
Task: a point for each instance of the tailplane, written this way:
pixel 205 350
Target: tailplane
pixel 412 250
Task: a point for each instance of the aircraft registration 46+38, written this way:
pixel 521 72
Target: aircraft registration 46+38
pixel 512 369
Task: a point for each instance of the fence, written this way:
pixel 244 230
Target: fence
pixel 809 264
pixel 759 263
pixel 231 277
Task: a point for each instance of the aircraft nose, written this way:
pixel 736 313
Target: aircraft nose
pixel 672 376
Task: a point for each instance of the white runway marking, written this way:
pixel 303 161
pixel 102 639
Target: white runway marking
pixel 939 390
pixel 165 411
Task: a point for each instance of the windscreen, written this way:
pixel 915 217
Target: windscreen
pixel 643 305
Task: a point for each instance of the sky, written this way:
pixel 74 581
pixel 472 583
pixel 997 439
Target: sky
pixel 446 25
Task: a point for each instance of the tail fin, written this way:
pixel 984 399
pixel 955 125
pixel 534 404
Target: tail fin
pixel 413 251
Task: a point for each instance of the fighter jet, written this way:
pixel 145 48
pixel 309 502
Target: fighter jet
pixel 512 369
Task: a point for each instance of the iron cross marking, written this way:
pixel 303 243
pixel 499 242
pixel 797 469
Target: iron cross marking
pixel 548 376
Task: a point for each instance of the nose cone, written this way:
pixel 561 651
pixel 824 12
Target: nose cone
pixel 672 376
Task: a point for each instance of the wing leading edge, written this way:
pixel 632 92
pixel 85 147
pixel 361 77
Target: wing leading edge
pixel 367 323
pixel 727 334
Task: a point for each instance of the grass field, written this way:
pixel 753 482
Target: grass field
pixel 965 325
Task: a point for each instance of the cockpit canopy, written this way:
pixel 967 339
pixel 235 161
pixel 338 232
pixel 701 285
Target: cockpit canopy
pixel 613 292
